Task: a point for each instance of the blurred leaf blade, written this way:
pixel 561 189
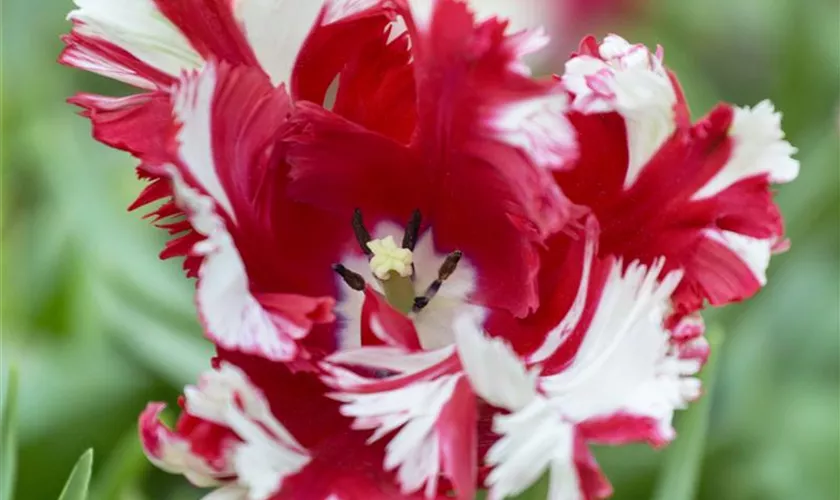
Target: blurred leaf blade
pixel 680 475
pixel 77 484
pixel 122 470
pixel 8 436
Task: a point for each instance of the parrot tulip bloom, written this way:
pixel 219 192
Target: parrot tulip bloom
pixel 424 270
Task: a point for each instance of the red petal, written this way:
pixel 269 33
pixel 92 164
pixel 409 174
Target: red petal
pixel 119 63
pixel 382 324
pixel 458 437
pixel 346 467
pixel 211 28
pixel 593 484
pixel 657 216
pixel 620 429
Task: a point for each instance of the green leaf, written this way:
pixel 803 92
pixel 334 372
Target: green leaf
pixel 8 436
pixel 683 461
pixel 76 487
pixel 124 467
pixel 177 357
pixel 537 491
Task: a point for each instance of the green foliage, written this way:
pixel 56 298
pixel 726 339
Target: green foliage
pixel 99 326
pixel 77 484
pixel 684 459
pixel 8 436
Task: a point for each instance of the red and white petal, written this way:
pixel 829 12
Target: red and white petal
pixel 521 14
pixel 173 452
pixel 414 411
pixel 392 359
pixel 496 373
pixel 229 492
pixel 193 109
pixel 559 334
pixel 688 328
pixel 626 364
pixel 129 30
pixel 228 119
pixel 276 31
pixel 759 149
pixel 538 127
pixel 233 318
pixel 429 414
pixel 534 436
pixel 468 86
pixel 105 58
pixel 278 50
pixel 268 453
pixel 632 81
pixel 533 439
pixel 382 324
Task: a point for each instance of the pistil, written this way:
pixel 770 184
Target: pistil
pixel 392 266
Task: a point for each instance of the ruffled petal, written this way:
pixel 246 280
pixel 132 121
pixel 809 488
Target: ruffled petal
pixel 129 40
pixel 699 195
pixel 427 416
pixel 226 435
pixel 627 363
pixel 532 436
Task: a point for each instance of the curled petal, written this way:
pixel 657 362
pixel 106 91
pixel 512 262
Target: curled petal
pixel 174 451
pixel 267 453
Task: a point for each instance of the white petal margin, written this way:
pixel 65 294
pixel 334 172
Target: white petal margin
pixel 414 409
pixel 268 453
pixel 632 81
pixel 627 363
pixel 534 437
pixel 139 28
pixel 759 149
pixel 232 316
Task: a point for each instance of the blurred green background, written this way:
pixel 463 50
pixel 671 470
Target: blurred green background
pixel 98 325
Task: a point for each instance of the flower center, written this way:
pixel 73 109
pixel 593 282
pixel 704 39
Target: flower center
pixel 393 266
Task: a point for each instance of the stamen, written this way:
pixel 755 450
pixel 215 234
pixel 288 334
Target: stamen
pixel 446 269
pixel 389 259
pixel 353 280
pixel 362 234
pixel 411 231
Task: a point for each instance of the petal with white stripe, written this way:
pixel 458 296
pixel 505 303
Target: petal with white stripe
pixel 632 81
pixel 268 453
pixel 627 363
pixel 136 27
pixel 759 148
pixel 276 30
